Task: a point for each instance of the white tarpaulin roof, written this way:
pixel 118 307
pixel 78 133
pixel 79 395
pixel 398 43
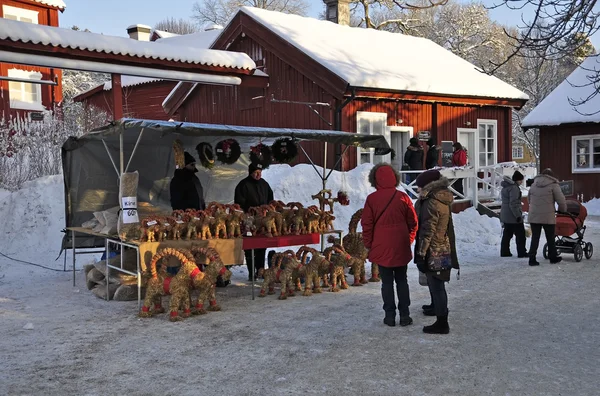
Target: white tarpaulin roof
pixel 371 58
pixel 556 109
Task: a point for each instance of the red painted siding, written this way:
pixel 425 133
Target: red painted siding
pixel 556 152
pixel 51 95
pixel 139 101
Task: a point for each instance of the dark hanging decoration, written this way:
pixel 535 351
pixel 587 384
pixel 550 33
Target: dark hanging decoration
pixel 206 155
pixel 261 154
pixel 285 150
pixel 228 151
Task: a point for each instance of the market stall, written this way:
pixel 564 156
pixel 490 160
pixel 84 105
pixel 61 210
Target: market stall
pixel 94 164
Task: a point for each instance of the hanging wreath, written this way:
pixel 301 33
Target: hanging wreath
pixel 261 154
pixel 285 150
pixel 206 155
pixel 228 151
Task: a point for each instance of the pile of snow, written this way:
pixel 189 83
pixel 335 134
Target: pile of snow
pixel 33 217
pixel 593 207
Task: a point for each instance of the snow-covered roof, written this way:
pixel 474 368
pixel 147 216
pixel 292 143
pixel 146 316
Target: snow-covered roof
pixel 130 81
pixel 555 109
pixel 382 60
pixel 164 34
pixel 203 39
pixel 53 3
pixel 139 25
pixel 67 38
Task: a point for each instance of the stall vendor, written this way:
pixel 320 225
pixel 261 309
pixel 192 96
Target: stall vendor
pixel 253 191
pixel 186 189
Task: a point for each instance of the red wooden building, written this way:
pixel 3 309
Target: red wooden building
pixel 143 97
pixel 325 75
pixel 570 132
pixel 18 97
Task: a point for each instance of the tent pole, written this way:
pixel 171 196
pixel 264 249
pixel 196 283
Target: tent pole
pixel 134 149
pixel 111 158
pixel 324 167
pixel 309 159
pixel 337 162
pixel 121 159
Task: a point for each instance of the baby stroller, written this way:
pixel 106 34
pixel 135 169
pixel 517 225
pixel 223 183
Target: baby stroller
pixel 570 230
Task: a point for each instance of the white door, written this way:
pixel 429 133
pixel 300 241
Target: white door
pixel 370 123
pixel 400 137
pixel 467 137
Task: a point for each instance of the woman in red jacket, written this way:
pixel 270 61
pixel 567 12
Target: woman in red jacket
pixel 389 224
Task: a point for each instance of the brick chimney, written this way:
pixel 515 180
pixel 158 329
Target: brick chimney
pixel 338 11
pixel 139 32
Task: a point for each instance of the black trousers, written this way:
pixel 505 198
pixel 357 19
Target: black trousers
pixel 259 260
pixel 458 186
pixel 518 230
pixel 437 289
pixel 536 232
pixel 388 276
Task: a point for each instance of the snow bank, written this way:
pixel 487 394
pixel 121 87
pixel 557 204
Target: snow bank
pixel 33 217
pixel 593 207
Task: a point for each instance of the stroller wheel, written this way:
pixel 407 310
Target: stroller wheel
pixel 578 252
pixel 545 251
pixel 589 250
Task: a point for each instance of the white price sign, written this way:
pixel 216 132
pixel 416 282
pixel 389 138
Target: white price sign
pixel 129 207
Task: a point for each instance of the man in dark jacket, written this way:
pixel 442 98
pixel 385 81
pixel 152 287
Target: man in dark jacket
pixel 253 191
pixel 186 190
pixel 433 154
pixel 511 216
pixel 413 158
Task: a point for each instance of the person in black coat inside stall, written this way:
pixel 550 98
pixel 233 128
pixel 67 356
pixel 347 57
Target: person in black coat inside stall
pixel 186 189
pixel 253 191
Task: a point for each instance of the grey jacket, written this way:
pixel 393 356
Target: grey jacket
pixel 544 192
pixel 511 202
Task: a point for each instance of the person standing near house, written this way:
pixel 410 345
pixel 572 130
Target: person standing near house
pixel 433 154
pixel 435 240
pixel 511 216
pixel 413 159
pixel 389 225
pixel 250 192
pixel 543 195
pixel 185 188
pixel 459 158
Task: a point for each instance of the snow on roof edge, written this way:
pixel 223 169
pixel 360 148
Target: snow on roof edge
pixel 53 3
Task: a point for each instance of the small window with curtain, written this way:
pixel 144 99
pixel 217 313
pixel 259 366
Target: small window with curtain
pixel 19 14
pixel 586 153
pixel 517 152
pixel 24 95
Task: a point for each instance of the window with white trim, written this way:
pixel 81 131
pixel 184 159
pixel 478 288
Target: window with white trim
pixel 488 142
pixel 19 14
pixel 517 152
pixel 371 124
pixel 586 153
pixel 22 95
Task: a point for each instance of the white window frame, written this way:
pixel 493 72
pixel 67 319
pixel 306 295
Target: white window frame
pixel 35 105
pixel 518 147
pixel 371 117
pixel 486 123
pixel 20 13
pixel 574 155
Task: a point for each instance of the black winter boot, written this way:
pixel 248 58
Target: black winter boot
pixel 429 311
pixel 426 307
pixel 556 260
pixel 533 262
pixel 439 327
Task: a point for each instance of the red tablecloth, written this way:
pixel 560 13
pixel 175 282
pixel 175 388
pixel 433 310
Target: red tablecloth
pixel 286 240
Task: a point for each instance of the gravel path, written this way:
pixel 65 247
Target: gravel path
pixel 515 330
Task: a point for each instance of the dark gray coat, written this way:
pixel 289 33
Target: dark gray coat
pixel 511 202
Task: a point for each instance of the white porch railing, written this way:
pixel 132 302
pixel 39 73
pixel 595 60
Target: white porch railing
pixel 481 184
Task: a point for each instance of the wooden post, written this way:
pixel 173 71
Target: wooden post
pixel 117 96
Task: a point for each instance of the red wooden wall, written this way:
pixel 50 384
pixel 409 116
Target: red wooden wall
pixel 556 152
pixel 51 95
pixel 139 101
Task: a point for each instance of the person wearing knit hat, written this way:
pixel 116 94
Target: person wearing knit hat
pixel 433 154
pixel 435 247
pixel 185 188
pixel 413 159
pixel 511 215
pixel 250 192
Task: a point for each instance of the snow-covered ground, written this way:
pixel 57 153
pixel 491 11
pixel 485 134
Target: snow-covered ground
pixel 593 207
pixel 515 329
